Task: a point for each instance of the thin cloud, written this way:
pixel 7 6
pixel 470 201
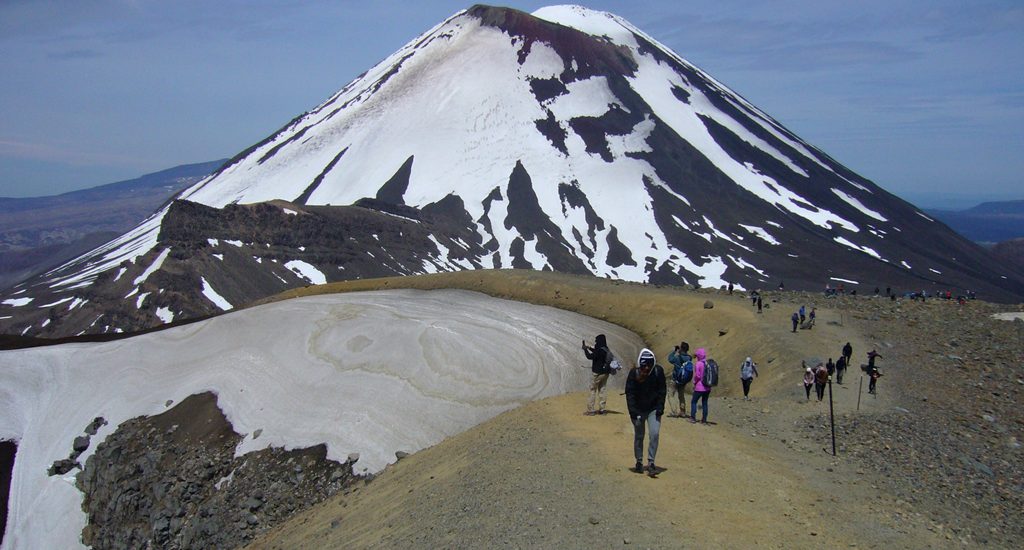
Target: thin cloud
pixel 24 150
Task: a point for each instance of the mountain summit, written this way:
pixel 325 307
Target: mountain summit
pixel 565 140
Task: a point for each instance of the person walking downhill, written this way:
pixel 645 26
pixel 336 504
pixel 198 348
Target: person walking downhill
pixel 803 314
pixel 700 391
pixel 645 399
pixel 840 369
pixel 682 373
pixel 808 380
pixel 600 367
pixel 820 380
pixel 748 370
pixel 795 319
pixel 759 304
pixel 848 353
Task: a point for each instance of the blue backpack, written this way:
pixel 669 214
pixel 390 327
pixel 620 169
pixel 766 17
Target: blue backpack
pixel 682 374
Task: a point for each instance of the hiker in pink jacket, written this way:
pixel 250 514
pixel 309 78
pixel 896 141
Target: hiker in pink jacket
pixel 699 390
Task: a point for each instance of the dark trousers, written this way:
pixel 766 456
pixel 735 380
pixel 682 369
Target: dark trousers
pixel 839 375
pixel 820 389
pixel 746 385
pixel 703 396
pixel 808 388
pixel 871 384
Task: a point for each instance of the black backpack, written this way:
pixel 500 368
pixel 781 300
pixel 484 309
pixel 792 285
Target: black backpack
pixel 710 378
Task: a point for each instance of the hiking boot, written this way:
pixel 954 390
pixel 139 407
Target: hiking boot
pixel 589 413
pixel 651 470
pixel 639 467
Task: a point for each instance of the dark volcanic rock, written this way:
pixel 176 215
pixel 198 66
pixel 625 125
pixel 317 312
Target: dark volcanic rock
pixel 172 481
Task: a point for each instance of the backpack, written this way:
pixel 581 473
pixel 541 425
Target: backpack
pixel 710 378
pixel 682 374
pixel 610 362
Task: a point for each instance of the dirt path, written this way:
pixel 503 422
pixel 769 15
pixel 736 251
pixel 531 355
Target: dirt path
pixel 546 476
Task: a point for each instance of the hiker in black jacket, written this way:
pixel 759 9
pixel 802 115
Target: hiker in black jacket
pixel 645 399
pixel 600 365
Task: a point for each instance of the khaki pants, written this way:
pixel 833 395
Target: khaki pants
pixel 598 392
pixel 676 398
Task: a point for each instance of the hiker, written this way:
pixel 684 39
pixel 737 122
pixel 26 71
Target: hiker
pixel 812 316
pixel 840 368
pixel 700 391
pixel 848 353
pixel 748 370
pixel 600 365
pixel 803 315
pixel 682 373
pixel 730 289
pixel 820 379
pixel 873 373
pixel 830 366
pixel 795 319
pixel 754 296
pixel 759 304
pixel 645 399
pixel 808 380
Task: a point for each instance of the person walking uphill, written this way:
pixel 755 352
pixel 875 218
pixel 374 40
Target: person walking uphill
pixel 808 380
pixel 645 399
pixel 795 318
pixel 820 380
pixel 700 391
pixel 748 370
pixel 600 365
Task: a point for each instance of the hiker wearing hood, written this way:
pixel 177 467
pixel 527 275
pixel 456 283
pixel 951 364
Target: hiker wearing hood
pixel 600 367
pixel 700 391
pixel 748 370
pixel 645 399
pixel 808 379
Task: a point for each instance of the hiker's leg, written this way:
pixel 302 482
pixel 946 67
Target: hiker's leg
pixel 652 444
pixel 594 381
pixel 746 386
pixel 603 385
pixel 704 405
pixel 807 388
pixel 693 404
pixel 638 438
pixel 673 397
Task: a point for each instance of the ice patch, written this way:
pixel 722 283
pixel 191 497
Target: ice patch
pixel 865 249
pixel 307 271
pixel 159 261
pixel 760 233
pixel 165 314
pixel 852 201
pixel 212 296
pixel 17 302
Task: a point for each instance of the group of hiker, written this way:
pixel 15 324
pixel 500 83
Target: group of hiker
pixel 818 376
pixel 648 387
pixel 802 319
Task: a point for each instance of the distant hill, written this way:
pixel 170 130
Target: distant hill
pixel 39 233
pixel 989 222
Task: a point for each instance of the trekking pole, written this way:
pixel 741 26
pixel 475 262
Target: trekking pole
pixel 832 416
pixel 860 390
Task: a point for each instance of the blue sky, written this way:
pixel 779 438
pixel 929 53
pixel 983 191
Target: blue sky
pixel 925 98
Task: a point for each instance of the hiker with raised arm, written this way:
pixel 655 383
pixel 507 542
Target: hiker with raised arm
pixel 872 370
pixel 682 373
pixel 645 399
pixel 600 367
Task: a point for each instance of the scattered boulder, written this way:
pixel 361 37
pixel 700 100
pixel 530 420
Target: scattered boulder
pixel 709 304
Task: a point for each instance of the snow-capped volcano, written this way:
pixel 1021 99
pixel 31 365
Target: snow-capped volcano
pixel 566 140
